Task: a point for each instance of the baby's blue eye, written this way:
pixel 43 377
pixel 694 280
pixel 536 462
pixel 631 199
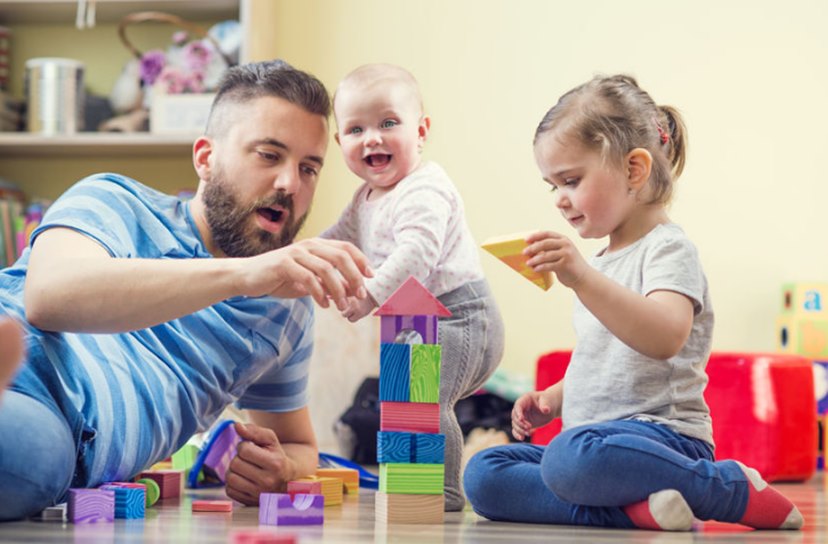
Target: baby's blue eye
pixel 388 123
pixel 354 130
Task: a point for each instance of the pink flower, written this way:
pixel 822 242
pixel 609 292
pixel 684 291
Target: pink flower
pixel 152 63
pixel 196 55
pixel 172 80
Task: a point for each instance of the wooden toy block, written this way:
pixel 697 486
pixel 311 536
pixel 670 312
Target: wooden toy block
pixel 412 479
pixel 331 488
pixel 153 490
pixel 261 537
pixel 821 386
pixel 801 335
pixel 90 505
pixel 509 249
pixel 279 509
pixel 419 509
pixel 429 448
pixel 412 298
pixel 54 513
pixel 212 506
pixel 805 299
pixel 170 482
pixel 425 373
pixel 130 501
pixel 306 486
pixel 395 364
pixel 222 450
pixel 394 447
pixel 349 477
pixel 415 417
pixel 401 447
pixel 410 308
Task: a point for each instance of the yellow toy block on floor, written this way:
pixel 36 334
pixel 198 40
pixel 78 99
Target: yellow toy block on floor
pixel 509 250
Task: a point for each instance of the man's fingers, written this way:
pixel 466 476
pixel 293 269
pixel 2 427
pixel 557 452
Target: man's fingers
pixel 258 435
pixel 241 489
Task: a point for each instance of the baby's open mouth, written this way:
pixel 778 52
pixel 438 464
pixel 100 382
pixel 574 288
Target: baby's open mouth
pixel 379 159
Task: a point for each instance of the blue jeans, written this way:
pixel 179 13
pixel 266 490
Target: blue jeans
pixel 586 474
pixel 38 454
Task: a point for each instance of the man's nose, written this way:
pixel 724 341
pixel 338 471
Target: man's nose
pixel 287 180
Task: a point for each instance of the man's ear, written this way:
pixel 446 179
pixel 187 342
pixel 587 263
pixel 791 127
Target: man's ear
pixel 202 151
pixel 639 163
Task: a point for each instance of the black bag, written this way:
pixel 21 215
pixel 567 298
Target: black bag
pixel 356 430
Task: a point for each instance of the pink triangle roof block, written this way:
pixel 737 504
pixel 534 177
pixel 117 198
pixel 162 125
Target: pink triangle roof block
pixel 412 298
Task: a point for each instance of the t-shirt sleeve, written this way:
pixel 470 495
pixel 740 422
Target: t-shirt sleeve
pixel 673 265
pixel 284 387
pixel 100 209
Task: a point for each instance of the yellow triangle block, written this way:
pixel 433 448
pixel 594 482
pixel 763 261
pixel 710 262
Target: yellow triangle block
pixel 509 250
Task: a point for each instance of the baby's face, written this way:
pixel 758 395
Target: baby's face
pixel 381 129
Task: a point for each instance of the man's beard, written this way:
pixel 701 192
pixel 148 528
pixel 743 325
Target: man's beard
pixel 230 223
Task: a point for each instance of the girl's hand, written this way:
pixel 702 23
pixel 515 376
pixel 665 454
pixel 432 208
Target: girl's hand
pixel 550 251
pixel 532 410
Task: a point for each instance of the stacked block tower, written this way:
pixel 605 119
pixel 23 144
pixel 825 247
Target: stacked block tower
pixel 410 448
pixel 802 329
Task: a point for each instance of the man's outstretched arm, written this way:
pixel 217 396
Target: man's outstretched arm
pixel 74 285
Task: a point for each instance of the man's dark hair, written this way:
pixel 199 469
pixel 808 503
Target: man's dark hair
pixel 247 82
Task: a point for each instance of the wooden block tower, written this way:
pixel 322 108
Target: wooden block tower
pixel 410 450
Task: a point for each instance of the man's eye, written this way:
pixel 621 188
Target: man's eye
pixel 310 171
pixel 388 123
pixel 269 156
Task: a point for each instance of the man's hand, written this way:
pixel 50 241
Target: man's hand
pixel 325 269
pixel 260 466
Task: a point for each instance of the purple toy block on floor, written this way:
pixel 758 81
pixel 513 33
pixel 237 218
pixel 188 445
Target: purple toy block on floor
pixel 279 509
pixel 222 452
pixel 90 505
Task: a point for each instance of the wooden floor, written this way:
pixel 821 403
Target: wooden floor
pixel 172 521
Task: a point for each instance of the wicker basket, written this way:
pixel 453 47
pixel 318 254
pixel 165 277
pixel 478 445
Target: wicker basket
pixel 162 17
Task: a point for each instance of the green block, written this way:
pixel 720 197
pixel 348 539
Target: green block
pixel 184 459
pixel 425 373
pixel 412 479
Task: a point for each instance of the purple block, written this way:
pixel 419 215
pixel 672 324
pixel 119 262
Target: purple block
pixel 90 505
pixel 424 325
pixel 222 452
pixel 278 509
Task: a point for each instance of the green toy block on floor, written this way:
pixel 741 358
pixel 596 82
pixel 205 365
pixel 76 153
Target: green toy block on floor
pixel 414 479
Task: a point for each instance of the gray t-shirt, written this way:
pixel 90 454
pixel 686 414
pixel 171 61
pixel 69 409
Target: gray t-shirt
pixel 607 380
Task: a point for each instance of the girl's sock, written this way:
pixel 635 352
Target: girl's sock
pixel 767 508
pixel 664 510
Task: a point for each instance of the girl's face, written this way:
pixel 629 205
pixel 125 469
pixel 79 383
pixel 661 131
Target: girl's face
pixel 592 195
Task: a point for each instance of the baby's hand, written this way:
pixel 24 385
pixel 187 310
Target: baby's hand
pixel 550 251
pixel 357 308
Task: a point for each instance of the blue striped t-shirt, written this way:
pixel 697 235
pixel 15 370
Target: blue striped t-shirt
pixel 144 393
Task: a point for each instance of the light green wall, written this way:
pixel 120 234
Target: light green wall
pixel 749 76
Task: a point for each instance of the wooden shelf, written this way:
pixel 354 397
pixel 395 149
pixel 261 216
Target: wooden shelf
pixel 64 11
pixel 95 144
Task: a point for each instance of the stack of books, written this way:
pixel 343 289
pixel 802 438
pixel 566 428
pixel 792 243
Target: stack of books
pixel 17 222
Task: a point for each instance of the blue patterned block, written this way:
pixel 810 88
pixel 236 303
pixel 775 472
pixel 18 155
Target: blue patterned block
pixel 395 372
pixel 394 447
pixel 429 448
